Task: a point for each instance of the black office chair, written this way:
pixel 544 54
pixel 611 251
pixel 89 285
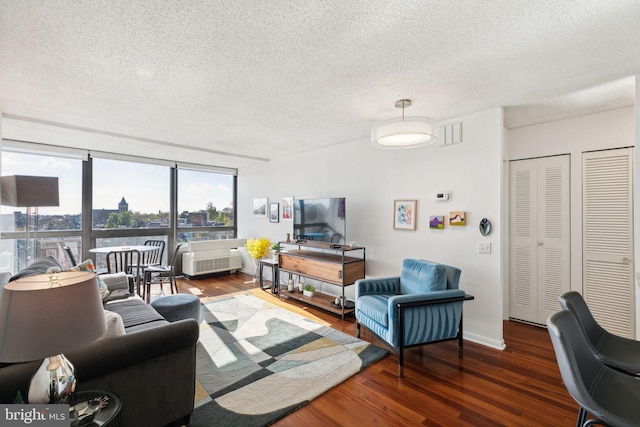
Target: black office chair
pixel 606 393
pixel 615 351
pixel 161 274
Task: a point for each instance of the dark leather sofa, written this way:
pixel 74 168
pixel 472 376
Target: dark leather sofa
pixel 151 367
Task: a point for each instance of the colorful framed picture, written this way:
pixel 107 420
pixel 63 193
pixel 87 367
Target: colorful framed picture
pixel 287 208
pixel 404 214
pixel 436 222
pixel 457 219
pixel 274 212
pixel 259 208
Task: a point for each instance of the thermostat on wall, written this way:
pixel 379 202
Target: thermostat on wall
pixel 442 197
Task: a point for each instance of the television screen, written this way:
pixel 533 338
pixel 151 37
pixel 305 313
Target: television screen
pixel 320 219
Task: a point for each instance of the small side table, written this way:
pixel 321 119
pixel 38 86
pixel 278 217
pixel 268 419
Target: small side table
pixel 108 416
pixel 275 276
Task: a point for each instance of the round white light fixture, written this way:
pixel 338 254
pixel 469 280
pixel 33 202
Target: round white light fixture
pixel 404 132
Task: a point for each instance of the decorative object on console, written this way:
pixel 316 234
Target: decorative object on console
pixel 29 192
pixel 404 132
pixel 308 290
pixel 41 320
pixel 457 219
pixel 404 214
pixel 274 212
pixel 260 208
pixel 276 250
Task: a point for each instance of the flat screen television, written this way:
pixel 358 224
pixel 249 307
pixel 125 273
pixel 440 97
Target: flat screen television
pixel 320 219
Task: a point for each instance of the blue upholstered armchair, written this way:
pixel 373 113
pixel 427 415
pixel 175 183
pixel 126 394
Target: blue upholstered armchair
pixel 421 306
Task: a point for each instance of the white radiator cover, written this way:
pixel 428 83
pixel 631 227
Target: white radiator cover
pixel 212 256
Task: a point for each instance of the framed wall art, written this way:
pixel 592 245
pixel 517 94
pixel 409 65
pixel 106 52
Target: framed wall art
pixel 259 208
pixel 404 214
pixel 274 212
pixel 457 219
pixel 436 222
pixel 287 208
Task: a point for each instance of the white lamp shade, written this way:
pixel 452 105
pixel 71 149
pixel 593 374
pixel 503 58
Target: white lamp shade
pixel 38 321
pixel 409 132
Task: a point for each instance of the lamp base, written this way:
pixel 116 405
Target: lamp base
pixel 53 382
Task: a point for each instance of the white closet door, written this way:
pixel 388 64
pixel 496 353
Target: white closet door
pixel 608 239
pixel 539 265
pixel 554 238
pixel 523 271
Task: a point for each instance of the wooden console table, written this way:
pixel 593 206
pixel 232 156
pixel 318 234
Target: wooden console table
pixel 339 265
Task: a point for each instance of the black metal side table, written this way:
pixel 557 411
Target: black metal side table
pixel 95 408
pixel 275 276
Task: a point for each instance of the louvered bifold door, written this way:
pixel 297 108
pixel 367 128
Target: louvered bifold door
pixel 608 239
pixel 523 272
pixel 554 238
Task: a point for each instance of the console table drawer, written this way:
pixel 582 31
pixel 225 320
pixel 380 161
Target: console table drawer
pixel 322 270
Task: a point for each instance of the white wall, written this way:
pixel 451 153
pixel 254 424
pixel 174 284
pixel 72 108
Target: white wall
pixel 611 129
pixel 371 179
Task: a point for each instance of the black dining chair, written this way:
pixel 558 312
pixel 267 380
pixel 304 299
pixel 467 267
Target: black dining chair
pixel 67 249
pixel 161 274
pixel 605 393
pixel 127 261
pixel 153 257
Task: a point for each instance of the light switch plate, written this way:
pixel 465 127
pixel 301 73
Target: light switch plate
pixel 484 247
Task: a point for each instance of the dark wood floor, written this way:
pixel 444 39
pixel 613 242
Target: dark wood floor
pixel 520 386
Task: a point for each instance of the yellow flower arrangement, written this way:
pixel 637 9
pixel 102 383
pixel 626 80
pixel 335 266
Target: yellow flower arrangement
pixel 258 248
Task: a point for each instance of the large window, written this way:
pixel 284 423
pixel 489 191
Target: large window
pixel 205 205
pixel 131 200
pixel 51 228
pixel 130 195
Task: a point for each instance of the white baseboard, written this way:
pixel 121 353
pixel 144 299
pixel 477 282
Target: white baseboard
pixel 480 339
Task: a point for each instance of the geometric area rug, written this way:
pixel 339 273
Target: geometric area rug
pixel 257 362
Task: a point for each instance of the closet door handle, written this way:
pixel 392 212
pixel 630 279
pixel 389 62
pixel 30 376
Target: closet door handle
pixel 540 243
pixel 626 260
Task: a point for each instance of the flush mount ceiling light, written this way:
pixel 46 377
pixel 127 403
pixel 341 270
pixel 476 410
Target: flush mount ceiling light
pixel 404 132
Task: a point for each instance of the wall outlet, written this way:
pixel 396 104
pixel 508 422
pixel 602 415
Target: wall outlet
pixel 484 247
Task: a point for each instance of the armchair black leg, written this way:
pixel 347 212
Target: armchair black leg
pixel 460 340
pixel 357 329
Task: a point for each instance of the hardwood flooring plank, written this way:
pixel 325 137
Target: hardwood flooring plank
pixel 519 386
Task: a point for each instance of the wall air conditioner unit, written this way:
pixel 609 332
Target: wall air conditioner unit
pixel 212 256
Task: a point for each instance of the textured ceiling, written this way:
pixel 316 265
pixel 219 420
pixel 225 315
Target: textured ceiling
pixel 242 81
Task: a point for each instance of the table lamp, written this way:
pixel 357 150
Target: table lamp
pixel 29 192
pixel 42 316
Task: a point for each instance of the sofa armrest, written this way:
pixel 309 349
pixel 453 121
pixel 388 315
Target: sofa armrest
pixel 379 285
pixel 110 354
pixel 152 368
